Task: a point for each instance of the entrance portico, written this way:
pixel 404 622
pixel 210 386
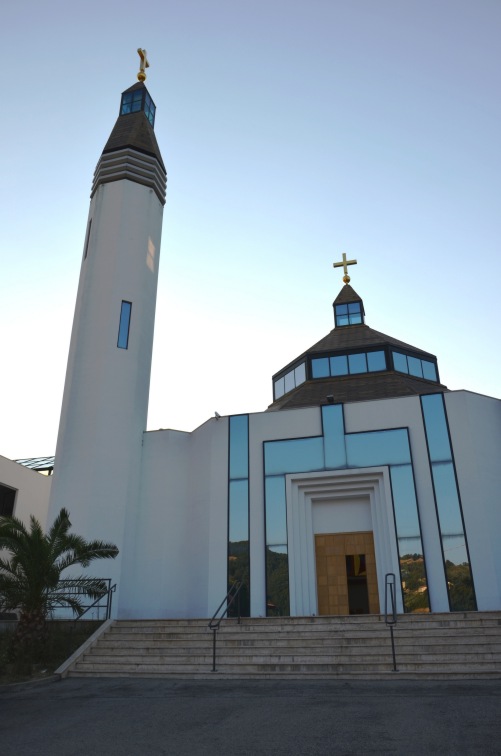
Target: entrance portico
pixel 349 511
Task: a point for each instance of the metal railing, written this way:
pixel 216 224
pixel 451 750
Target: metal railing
pixel 390 610
pixel 69 603
pixel 221 612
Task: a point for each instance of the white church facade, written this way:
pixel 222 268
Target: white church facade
pixel 364 465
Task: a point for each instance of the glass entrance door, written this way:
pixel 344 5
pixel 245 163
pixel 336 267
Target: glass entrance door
pixel 346 573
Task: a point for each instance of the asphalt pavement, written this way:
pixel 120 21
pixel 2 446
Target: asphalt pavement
pixel 249 718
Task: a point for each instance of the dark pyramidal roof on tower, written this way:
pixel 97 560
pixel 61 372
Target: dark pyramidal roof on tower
pixel 354 363
pixel 133 129
pixel 132 150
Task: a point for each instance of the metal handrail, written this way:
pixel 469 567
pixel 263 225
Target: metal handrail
pixel 232 595
pixel 109 594
pixel 390 610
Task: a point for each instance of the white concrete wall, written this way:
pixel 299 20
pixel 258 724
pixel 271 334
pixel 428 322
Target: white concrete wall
pixel 175 547
pixel 475 425
pixel 155 559
pixel 33 490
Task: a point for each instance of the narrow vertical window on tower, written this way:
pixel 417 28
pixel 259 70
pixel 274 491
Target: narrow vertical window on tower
pixel 123 328
pixel 86 248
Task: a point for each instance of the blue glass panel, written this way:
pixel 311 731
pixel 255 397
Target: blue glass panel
pixel 276 510
pixel 339 365
pixel 455 549
pixel 279 388
pixel 355 319
pixel 125 109
pixel 429 370
pixel 277 581
pixel 357 363
pixel 342 317
pixel 333 427
pixel 354 307
pixel 408 546
pixel 400 362
pixel 124 326
pixel 239 446
pixel 414 585
pixel 300 373
pixel 404 500
pixel 136 107
pixel 447 499
pixel 436 427
pixel 294 455
pixel 289 381
pixel 280 549
pixel 376 361
pixel 320 367
pixel 415 366
pixel 239 510
pixel 389 447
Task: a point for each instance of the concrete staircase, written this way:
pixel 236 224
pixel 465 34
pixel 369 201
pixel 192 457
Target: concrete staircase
pixel 435 646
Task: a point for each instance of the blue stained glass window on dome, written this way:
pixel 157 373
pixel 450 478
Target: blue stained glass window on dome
pixel 429 370
pixel 279 388
pixel 400 362
pixel 415 366
pixel 320 367
pixel 357 363
pixel 376 361
pixel 300 373
pixel 339 365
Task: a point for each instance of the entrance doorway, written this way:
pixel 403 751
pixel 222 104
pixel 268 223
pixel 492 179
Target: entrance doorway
pixel 346 573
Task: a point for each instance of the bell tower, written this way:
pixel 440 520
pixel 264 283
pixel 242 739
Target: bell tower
pixel 105 401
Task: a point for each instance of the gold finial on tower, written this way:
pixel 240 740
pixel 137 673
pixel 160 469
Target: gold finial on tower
pixel 143 64
pixel 344 264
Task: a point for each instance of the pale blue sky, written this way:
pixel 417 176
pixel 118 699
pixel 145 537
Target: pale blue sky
pixel 292 132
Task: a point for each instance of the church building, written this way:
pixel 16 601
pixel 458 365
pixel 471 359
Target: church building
pixel 364 465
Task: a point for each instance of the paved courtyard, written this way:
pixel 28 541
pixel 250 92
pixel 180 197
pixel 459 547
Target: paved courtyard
pixel 123 716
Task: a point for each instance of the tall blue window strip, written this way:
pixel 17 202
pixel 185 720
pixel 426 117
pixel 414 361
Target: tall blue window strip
pixel 459 578
pixel 276 512
pixel 239 446
pixel 124 326
pixel 334 445
pixel 238 509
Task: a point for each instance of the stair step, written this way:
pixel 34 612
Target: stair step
pixel 427 647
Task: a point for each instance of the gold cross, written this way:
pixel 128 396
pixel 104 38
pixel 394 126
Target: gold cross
pixel 344 264
pixel 144 64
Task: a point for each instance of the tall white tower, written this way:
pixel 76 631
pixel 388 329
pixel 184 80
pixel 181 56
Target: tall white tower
pixel 105 402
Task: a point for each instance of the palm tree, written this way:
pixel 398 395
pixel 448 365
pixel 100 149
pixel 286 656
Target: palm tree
pixel 30 577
